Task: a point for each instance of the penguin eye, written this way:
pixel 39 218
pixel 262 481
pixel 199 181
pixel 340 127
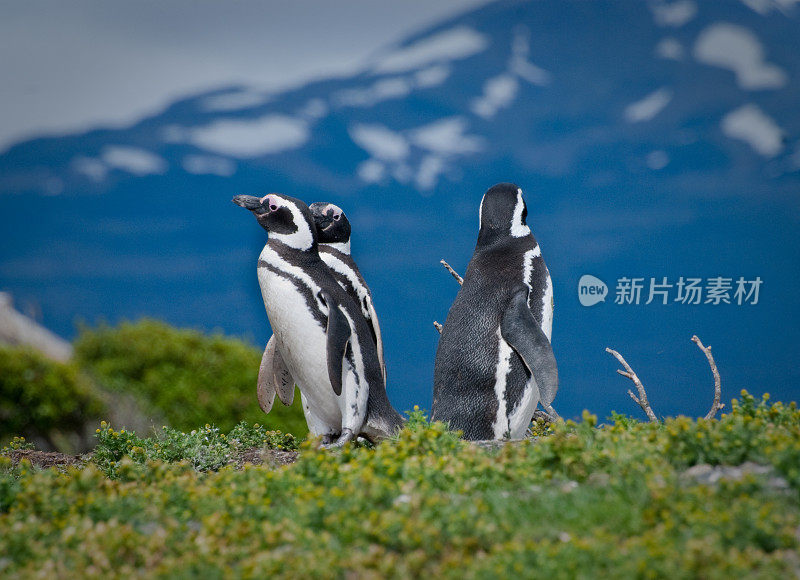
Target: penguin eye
pixel 336 216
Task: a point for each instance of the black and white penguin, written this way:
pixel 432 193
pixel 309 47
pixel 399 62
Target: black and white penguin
pixel 333 238
pixel 321 340
pixel 494 361
pixel 333 230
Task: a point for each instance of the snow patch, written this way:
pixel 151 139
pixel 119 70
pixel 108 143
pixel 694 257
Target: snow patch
pixel 382 90
pixel 314 109
pixel 764 7
pixel 91 167
pixel 209 165
pixel 133 160
pixel 657 160
pixel 428 173
pixel 519 63
pixel 675 14
pixel 498 92
pixel 234 101
pixel 247 138
pixel 174 134
pixel 380 142
pixel 447 137
pixel 457 43
pixel 391 88
pixel 648 107
pixel 736 48
pixel 750 124
pixel 391 152
pixel 432 76
pixel 669 48
pixel 371 171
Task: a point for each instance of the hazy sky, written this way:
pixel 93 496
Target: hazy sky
pixel 69 66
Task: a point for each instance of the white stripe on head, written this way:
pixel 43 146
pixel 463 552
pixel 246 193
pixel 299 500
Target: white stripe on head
pixel 334 208
pixel 519 229
pixel 480 213
pixel 303 237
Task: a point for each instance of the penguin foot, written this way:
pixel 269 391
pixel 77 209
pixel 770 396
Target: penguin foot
pixel 346 436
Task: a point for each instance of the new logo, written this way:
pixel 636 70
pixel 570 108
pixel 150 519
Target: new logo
pixel 591 290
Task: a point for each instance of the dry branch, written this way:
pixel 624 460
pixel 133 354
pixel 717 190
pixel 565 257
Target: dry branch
pixel 716 405
pixel 641 400
pixel 455 275
pixel 552 413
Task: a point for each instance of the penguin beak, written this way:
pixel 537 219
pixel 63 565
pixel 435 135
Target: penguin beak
pixel 247 202
pixel 324 222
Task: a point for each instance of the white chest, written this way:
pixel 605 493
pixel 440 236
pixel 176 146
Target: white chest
pixel 300 337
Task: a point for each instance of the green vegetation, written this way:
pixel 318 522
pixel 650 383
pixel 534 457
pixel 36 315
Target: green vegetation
pixel 624 499
pixel 205 449
pixel 42 398
pixel 183 375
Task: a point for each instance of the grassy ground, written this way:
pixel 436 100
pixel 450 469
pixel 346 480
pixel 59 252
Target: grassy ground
pixel 708 499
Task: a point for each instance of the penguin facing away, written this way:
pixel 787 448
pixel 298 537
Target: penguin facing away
pixel 494 362
pixel 333 238
pixel 321 340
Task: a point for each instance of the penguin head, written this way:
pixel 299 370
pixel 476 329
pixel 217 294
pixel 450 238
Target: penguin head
pixel 503 213
pixel 287 219
pixel 333 226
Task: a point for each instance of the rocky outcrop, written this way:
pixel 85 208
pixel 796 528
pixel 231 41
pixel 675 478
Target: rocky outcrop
pixel 18 329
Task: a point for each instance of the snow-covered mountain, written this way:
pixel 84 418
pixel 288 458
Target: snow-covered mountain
pixel 651 139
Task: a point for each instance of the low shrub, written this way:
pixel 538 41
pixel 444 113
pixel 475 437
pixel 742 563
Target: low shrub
pixel 618 500
pixel 205 449
pixel 44 399
pixel 189 378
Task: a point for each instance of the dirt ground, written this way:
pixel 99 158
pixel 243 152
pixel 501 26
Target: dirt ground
pixel 255 456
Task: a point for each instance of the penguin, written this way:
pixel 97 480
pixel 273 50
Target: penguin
pixel 333 229
pixel 494 362
pixel 321 340
pixel 333 238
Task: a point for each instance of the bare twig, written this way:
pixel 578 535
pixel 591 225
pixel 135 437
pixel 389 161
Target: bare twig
pixel 458 278
pixel 455 275
pixel 716 405
pixel 552 413
pixel 641 400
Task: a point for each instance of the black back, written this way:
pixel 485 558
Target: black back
pixel 468 351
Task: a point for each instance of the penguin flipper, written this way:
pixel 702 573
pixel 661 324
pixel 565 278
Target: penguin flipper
pixel 338 337
pixel 522 331
pixel 266 387
pixel 283 379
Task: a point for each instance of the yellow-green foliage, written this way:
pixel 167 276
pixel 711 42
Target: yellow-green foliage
pixel 207 448
pixel 188 377
pixel 42 398
pixel 582 501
